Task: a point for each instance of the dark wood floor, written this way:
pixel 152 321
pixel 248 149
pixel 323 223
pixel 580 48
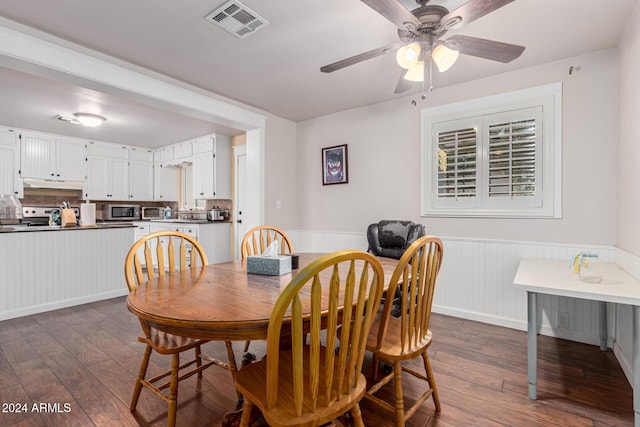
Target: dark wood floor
pixel 87 358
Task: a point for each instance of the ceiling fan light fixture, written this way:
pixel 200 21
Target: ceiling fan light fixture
pixel 89 120
pixel 444 57
pixel 407 56
pixel 415 73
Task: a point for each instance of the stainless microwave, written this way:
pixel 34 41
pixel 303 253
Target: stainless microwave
pixel 121 212
pixel 152 212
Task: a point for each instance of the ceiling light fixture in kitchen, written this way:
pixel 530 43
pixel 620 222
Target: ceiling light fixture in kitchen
pixel 89 120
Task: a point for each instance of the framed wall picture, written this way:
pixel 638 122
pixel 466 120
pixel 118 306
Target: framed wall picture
pixel 334 165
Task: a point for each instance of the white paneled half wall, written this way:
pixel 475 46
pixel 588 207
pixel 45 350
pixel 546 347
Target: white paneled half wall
pixel 476 283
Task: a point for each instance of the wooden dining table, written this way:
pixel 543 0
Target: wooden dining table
pixel 217 302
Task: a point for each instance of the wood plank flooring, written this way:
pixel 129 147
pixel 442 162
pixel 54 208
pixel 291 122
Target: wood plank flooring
pixel 78 367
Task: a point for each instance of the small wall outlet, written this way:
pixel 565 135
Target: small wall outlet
pixel 563 319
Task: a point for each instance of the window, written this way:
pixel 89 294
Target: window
pixel 498 156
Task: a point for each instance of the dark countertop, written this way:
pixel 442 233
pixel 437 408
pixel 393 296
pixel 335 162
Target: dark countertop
pixel 98 226
pixel 191 221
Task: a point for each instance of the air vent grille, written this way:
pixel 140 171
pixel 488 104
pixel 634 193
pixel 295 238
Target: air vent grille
pixel 237 19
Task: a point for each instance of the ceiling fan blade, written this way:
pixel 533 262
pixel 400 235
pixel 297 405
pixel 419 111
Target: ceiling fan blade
pixel 357 58
pixel 403 84
pixel 483 48
pixel 470 11
pixel 395 12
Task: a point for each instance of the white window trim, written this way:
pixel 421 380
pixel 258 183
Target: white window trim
pixel 550 97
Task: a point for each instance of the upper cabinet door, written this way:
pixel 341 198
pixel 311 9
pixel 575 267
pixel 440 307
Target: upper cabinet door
pixel 36 156
pixel 10 182
pixel 70 160
pixel 43 156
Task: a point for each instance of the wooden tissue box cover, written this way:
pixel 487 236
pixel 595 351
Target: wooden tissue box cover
pixel 272 266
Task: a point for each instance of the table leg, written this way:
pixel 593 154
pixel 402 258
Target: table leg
pixel 636 364
pixel 532 345
pixel 604 330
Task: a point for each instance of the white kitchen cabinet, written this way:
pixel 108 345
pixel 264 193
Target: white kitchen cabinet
pixel 45 156
pixel 140 174
pixel 164 155
pixel 214 237
pixel 107 172
pixel 183 152
pixel 211 173
pixel 141 229
pixel 165 183
pixel 10 182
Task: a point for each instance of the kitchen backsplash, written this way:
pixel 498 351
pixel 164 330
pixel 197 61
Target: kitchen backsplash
pixel 44 197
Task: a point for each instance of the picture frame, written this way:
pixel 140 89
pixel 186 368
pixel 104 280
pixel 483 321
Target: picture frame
pixel 335 166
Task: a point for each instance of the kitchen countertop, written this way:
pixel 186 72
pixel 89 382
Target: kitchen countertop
pixel 191 221
pixel 98 226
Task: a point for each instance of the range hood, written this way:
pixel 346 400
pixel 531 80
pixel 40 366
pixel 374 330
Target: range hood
pixel 52 183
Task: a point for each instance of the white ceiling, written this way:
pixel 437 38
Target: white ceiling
pixel 277 68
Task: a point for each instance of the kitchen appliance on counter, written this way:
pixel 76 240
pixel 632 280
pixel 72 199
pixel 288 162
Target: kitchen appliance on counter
pixel 217 214
pixel 33 216
pixel 10 210
pixel 121 212
pixel 153 212
pixel 193 215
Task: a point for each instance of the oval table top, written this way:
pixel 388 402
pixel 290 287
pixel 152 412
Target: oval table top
pixel 218 301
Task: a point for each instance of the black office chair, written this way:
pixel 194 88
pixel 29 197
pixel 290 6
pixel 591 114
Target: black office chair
pixel 390 238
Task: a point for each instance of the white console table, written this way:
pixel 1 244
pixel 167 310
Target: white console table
pixel 555 277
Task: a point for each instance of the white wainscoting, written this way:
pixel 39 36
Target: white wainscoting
pixel 476 283
pixel 48 270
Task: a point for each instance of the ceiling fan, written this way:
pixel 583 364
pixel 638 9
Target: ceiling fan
pixel 421 30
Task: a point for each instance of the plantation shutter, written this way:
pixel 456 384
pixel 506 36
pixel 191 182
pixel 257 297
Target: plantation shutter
pixel 457 180
pixel 513 172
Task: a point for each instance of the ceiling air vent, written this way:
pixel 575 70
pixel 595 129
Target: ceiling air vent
pixel 237 19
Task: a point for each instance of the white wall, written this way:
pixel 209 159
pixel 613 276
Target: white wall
pixel 628 233
pixel 384 142
pixel 482 255
pixel 280 173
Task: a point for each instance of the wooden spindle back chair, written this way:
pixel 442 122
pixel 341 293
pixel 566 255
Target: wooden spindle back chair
pixel 159 254
pixel 396 339
pixel 257 240
pixel 310 384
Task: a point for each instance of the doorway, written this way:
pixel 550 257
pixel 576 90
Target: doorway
pixel 240 179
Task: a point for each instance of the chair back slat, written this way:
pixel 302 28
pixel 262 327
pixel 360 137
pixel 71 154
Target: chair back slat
pixel 148 257
pixel 319 376
pixel 167 255
pixel 415 276
pixel 259 238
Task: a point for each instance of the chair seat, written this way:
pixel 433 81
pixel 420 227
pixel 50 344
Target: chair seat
pixel 165 343
pixel 391 349
pixel 250 381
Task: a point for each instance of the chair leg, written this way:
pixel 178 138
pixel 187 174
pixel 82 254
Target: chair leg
pixel 245 420
pixel 198 351
pixel 173 390
pixel 432 380
pixel 141 375
pixel 374 368
pixel 397 379
pixel 357 416
pixel 232 366
pixel 246 346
